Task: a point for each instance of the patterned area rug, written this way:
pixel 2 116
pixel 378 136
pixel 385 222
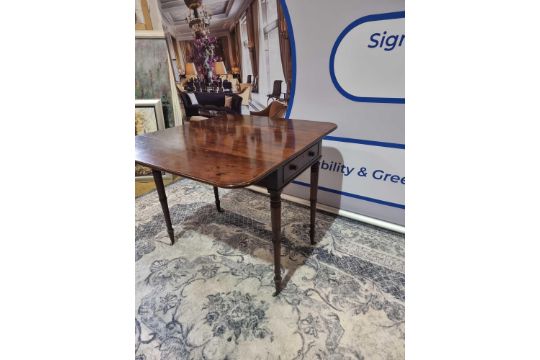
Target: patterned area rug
pixel 209 296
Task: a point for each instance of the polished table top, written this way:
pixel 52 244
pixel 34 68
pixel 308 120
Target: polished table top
pixel 230 151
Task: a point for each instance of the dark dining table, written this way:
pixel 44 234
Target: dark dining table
pixel 235 151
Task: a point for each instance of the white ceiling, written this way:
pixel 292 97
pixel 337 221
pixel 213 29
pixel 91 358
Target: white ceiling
pixel 224 14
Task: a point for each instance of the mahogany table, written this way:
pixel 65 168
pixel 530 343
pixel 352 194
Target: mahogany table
pixel 235 151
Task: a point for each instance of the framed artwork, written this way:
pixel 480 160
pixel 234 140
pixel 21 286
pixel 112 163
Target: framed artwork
pixel 142 15
pixel 153 75
pixel 148 118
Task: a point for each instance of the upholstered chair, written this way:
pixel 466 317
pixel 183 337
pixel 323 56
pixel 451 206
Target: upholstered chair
pixel 276 110
pixel 245 93
pixel 235 85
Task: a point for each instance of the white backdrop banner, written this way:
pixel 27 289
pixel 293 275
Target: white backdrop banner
pixel 349 69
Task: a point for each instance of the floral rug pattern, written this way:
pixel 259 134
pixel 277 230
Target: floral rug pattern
pixel 209 296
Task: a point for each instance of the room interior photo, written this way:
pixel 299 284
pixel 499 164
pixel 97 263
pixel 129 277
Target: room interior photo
pixel 228 56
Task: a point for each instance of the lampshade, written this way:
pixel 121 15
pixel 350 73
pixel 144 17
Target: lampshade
pixel 220 68
pixel 193 4
pixel 236 70
pixel 190 69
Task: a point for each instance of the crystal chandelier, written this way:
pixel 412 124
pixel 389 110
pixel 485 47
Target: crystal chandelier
pixel 198 18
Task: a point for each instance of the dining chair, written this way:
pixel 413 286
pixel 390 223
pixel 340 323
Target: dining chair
pixel 276 91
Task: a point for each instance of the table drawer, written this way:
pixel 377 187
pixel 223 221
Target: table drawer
pixel 294 167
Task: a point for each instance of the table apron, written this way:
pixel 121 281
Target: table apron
pixel 289 171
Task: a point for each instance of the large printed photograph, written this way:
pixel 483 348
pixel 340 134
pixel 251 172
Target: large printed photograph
pixel 237 49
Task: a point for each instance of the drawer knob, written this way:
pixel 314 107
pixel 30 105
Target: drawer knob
pixel 311 153
pixel 292 167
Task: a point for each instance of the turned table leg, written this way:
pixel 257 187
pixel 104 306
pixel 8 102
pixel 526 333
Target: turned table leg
pixel 218 204
pixel 313 200
pixel 158 180
pixel 275 208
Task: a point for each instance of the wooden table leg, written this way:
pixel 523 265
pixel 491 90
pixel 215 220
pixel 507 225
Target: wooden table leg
pixel 313 200
pixel 218 204
pixel 158 180
pixel 275 208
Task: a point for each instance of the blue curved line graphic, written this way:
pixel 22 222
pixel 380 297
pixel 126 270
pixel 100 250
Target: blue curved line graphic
pixel 375 17
pixel 293 56
pixel 351 195
pixel 365 142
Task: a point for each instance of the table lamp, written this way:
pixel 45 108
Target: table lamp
pixel 191 70
pixel 220 68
